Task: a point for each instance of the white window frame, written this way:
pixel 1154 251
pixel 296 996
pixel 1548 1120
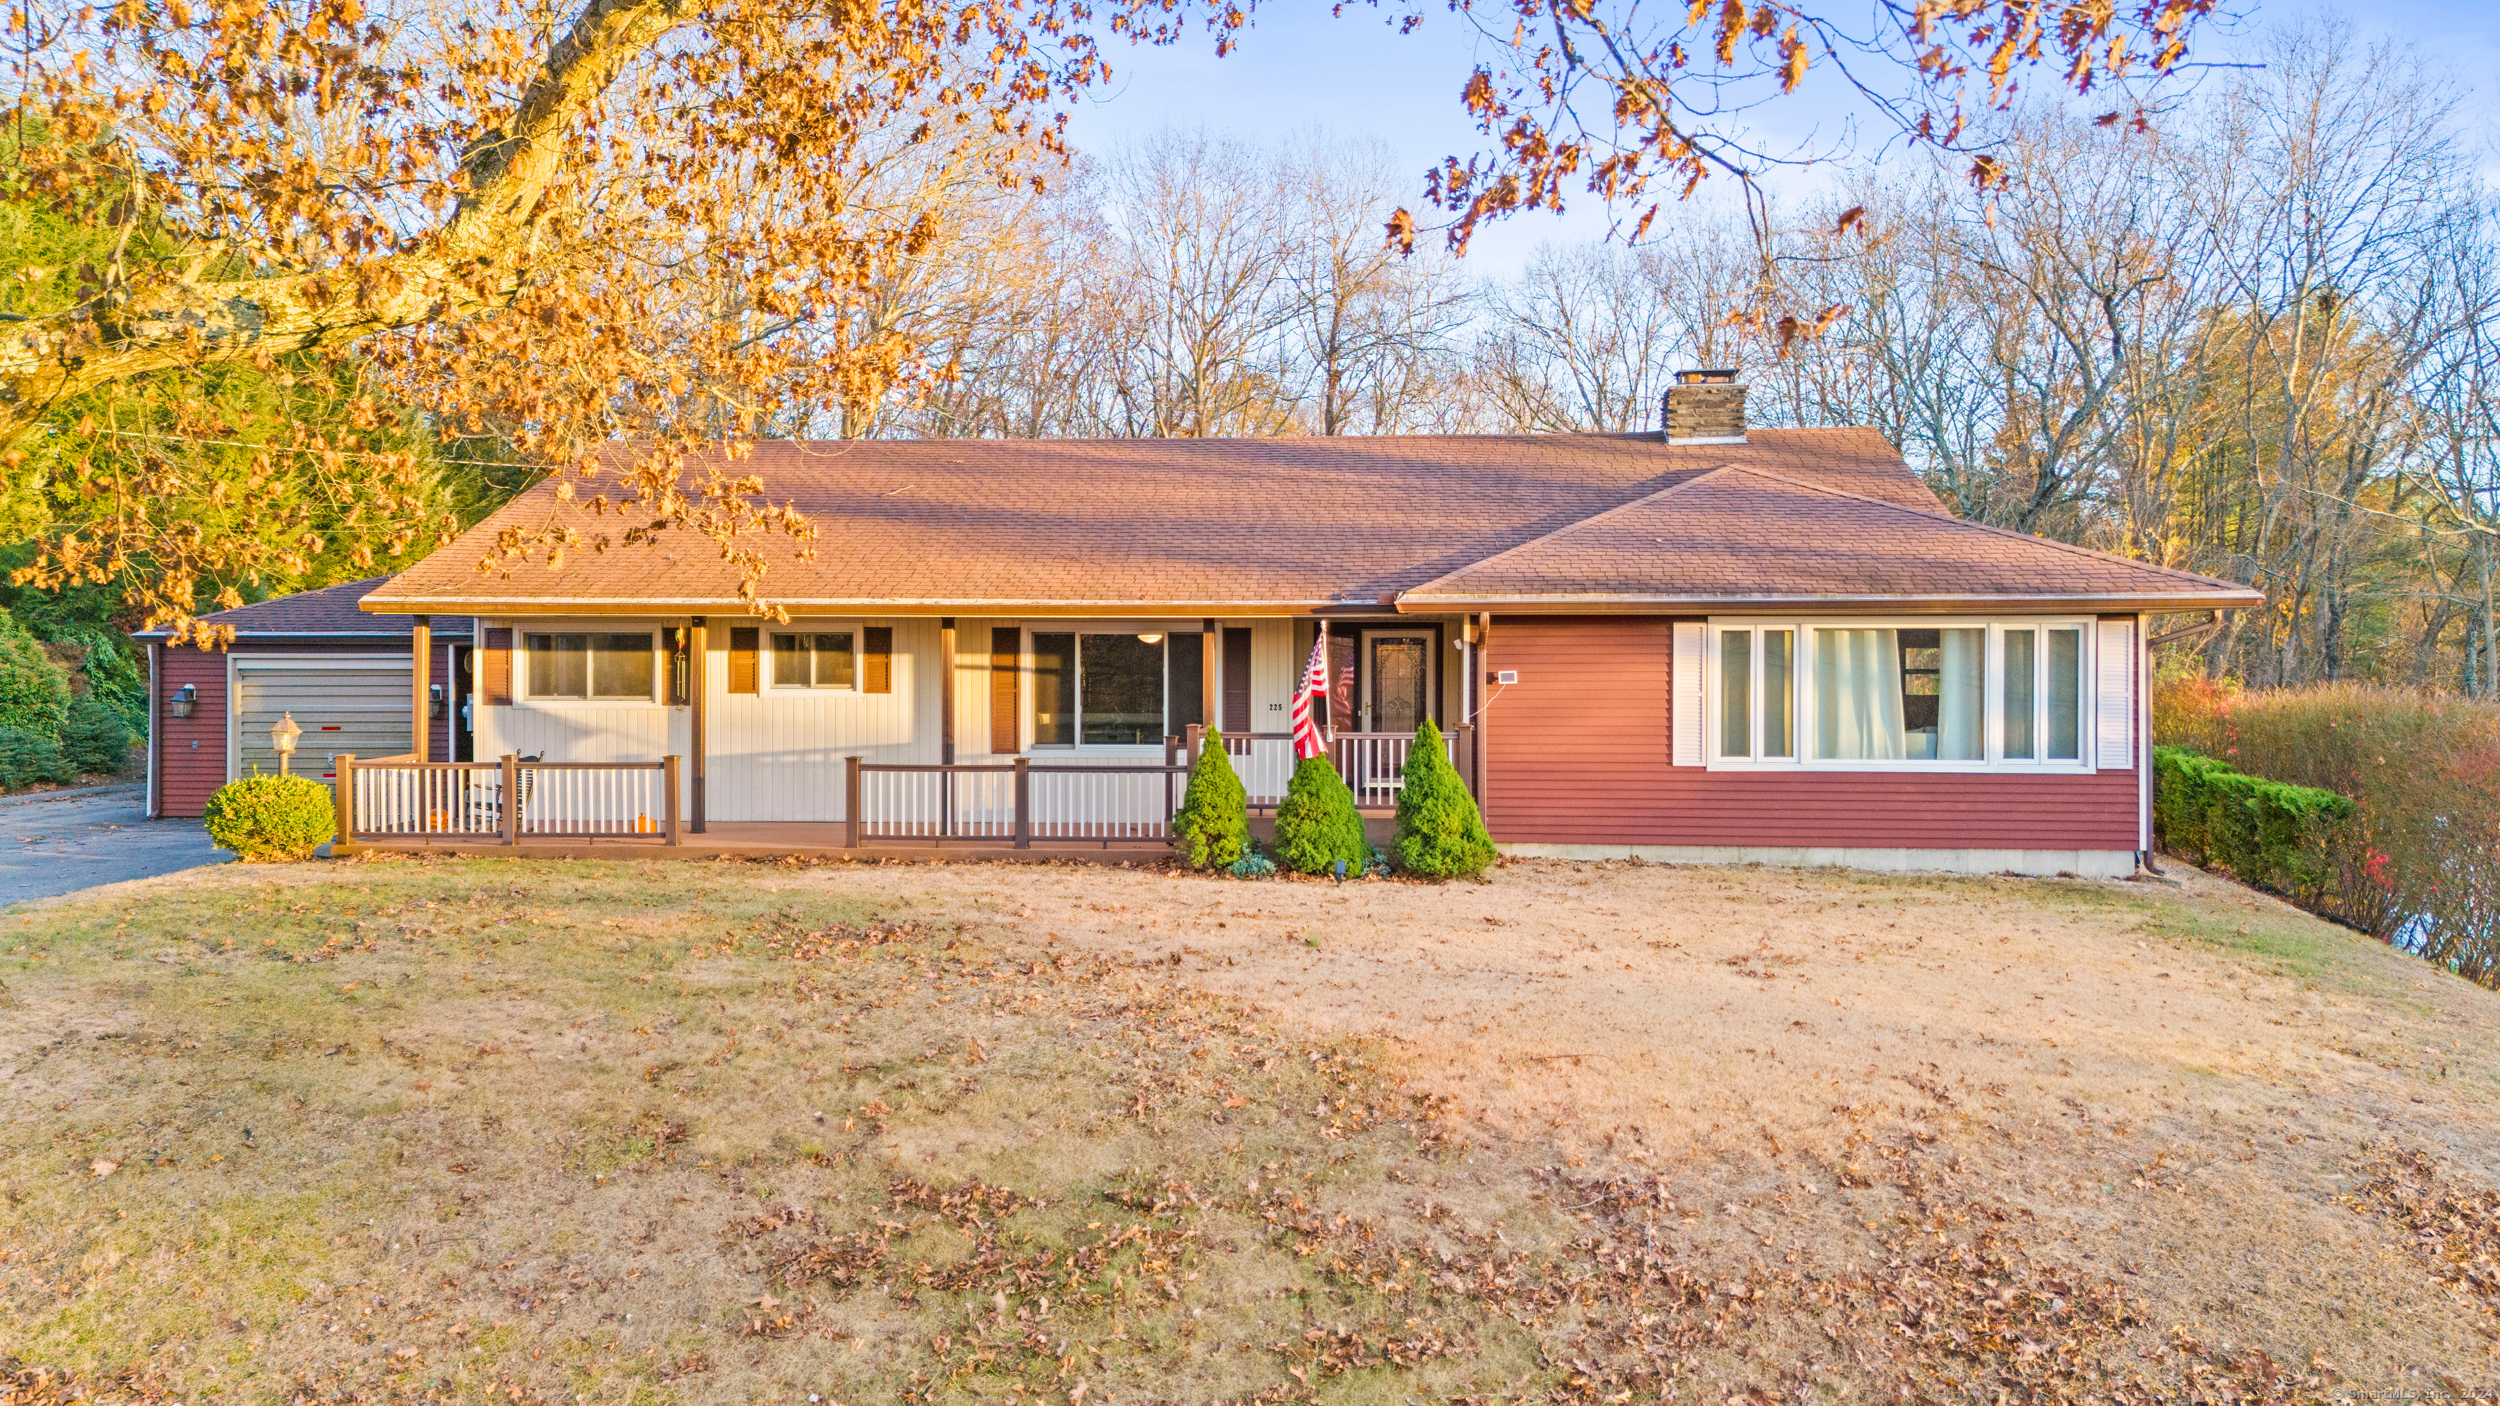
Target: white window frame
pixel 859 658
pixel 1992 701
pixel 1024 663
pixel 524 655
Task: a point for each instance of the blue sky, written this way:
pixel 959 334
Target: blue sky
pixel 1298 68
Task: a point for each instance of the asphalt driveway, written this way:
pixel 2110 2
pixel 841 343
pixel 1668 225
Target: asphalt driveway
pixel 58 842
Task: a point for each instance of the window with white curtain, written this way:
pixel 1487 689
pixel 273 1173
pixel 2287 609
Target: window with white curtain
pixel 1949 695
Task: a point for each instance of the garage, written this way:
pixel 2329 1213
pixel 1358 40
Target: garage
pixel 344 705
pixel 343 673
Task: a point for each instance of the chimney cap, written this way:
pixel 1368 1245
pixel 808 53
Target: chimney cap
pixel 1718 376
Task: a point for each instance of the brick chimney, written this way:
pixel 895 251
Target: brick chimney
pixel 1705 407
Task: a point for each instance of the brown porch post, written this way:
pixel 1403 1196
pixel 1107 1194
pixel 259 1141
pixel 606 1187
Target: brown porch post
pixel 698 694
pixel 1210 665
pixel 1484 675
pixel 668 784
pixel 850 801
pixel 511 807
pixel 946 724
pixel 343 796
pixel 946 690
pixel 421 665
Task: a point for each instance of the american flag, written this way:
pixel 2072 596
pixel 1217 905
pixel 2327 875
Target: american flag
pixel 1313 693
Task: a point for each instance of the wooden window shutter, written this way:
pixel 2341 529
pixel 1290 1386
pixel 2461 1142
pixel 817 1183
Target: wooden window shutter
pixel 495 674
pixel 745 643
pixel 1006 694
pixel 2114 675
pixel 876 673
pixel 1684 678
pixel 1236 680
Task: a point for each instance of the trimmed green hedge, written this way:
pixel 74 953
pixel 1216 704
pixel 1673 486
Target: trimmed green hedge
pixel 277 818
pixel 2267 833
pixel 1441 834
pixel 1212 829
pixel 1317 823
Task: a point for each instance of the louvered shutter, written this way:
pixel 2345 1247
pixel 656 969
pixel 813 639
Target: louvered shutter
pixel 1006 699
pixel 877 659
pixel 495 671
pixel 2114 672
pixel 745 647
pixel 1684 678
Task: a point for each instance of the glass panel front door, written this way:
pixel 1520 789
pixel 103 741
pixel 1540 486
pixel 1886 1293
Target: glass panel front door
pixel 1399 696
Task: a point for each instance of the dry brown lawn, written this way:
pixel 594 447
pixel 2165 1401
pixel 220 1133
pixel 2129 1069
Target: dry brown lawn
pixel 733 1132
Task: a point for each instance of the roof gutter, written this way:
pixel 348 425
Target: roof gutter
pixel 661 605
pixel 1861 604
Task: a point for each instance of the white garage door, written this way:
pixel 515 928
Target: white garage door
pixel 359 708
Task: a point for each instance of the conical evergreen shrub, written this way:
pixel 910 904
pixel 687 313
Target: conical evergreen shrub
pixel 1441 834
pixel 1212 829
pixel 1317 824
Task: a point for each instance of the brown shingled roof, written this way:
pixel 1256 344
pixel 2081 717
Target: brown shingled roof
pixel 1741 534
pixel 331 610
pixel 1118 523
pixel 1203 525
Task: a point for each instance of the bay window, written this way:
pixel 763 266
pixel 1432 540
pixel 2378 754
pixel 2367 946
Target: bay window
pixel 1114 688
pixel 1954 695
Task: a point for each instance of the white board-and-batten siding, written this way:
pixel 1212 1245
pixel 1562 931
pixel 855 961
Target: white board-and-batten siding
pixel 778 754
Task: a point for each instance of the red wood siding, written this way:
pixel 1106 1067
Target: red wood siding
pixel 191 752
pixel 1577 752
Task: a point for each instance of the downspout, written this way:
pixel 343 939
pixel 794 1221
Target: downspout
pixel 2144 745
pixel 156 731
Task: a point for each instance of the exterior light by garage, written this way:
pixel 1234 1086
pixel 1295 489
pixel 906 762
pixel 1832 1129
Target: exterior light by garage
pixel 283 737
pixel 184 702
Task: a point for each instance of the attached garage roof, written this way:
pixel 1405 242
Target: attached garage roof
pixel 328 612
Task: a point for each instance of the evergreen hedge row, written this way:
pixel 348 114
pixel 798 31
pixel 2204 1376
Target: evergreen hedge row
pixel 2268 833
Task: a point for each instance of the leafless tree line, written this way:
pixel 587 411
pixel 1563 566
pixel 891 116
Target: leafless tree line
pixel 2257 339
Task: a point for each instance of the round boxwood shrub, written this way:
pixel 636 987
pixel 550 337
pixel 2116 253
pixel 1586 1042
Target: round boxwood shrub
pixel 94 739
pixel 1317 824
pixel 274 818
pixel 1212 829
pixel 1441 834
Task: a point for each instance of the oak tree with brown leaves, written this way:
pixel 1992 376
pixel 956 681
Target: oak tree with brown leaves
pixel 576 227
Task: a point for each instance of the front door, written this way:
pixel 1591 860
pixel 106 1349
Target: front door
pixel 1397 680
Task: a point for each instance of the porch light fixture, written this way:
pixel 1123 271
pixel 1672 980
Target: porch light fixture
pixel 185 700
pixel 1150 639
pixel 434 704
pixel 283 738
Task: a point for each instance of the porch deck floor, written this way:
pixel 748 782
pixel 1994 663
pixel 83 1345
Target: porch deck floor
pixel 755 839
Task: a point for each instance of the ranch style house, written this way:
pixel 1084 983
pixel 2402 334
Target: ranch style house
pixel 1708 644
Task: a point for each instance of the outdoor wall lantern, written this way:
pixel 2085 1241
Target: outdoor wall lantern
pixel 283 738
pixel 185 700
pixel 434 705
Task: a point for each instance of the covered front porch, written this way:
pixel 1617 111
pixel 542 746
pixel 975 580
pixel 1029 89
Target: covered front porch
pixel 891 736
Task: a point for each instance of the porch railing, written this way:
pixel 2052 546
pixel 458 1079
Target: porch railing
pixel 506 800
pixel 1014 802
pixel 1372 763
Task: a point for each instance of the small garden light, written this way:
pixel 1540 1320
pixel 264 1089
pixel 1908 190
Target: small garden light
pixel 1341 871
pixel 283 738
